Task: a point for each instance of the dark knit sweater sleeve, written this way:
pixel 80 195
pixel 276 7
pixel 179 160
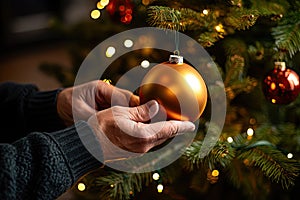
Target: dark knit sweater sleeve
pixel 45 165
pixel 24 109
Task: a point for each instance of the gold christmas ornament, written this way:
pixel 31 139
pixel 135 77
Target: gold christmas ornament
pixel 178 87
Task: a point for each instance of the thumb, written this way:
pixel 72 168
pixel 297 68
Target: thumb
pixel 144 112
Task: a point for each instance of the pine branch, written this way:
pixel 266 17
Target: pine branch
pixel 220 155
pixel 268 8
pixel 272 163
pixel 287 33
pixel 241 19
pixel 235 82
pixel 175 19
pixel 122 185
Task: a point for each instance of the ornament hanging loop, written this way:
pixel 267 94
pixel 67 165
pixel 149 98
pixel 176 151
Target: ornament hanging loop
pixel 176 52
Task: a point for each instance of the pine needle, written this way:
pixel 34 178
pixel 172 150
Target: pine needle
pixel 122 185
pixel 287 33
pixel 275 165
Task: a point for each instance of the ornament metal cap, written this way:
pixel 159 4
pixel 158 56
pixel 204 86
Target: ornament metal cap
pixel 175 59
pixel 280 65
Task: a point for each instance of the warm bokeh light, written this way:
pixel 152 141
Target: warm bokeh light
pixel 160 188
pixel 289 155
pixel 155 176
pixel 215 173
pixel 81 187
pixel 205 12
pixel 110 51
pixel 95 14
pixel 219 28
pixel 230 139
pixel 145 2
pixel 145 63
pixel 104 2
pixel 250 131
pixel 128 43
pixel 108 81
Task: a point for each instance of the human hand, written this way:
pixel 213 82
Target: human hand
pixel 122 128
pixel 89 98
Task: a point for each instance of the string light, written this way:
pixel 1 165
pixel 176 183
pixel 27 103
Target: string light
pixel 128 43
pixel 205 12
pixel 145 2
pixel 160 188
pixel 100 6
pixel 112 185
pixel 110 51
pixel 273 100
pixel 104 2
pixel 252 121
pixel 108 81
pixel 215 173
pixel 250 131
pixel 155 176
pixel 289 155
pixel 95 14
pixel 145 63
pixel 81 187
pixel 219 28
pixel 230 139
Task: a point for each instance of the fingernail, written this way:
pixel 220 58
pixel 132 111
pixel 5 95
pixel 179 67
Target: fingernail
pixel 189 126
pixel 153 108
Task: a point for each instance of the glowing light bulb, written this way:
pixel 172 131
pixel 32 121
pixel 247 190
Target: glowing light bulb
pixel 110 51
pixel 205 12
pixel 273 100
pixel 219 28
pixel 104 2
pixel 252 121
pixel 81 187
pixel 230 139
pixel 128 43
pixel 95 14
pixel 112 185
pixel 289 155
pixel 155 176
pixel 145 2
pixel 160 188
pixel 100 6
pixel 108 81
pixel 250 131
pixel 145 63
pixel 215 173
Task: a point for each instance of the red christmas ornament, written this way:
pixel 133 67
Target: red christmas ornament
pixel 120 10
pixel 281 85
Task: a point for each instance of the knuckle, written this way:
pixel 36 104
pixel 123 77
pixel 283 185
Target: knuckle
pixel 173 128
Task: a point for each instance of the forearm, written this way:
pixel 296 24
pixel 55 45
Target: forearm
pixel 24 109
pixel 44 165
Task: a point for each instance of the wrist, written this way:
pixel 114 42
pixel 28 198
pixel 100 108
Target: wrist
pixel 64 106
pixel 41 112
